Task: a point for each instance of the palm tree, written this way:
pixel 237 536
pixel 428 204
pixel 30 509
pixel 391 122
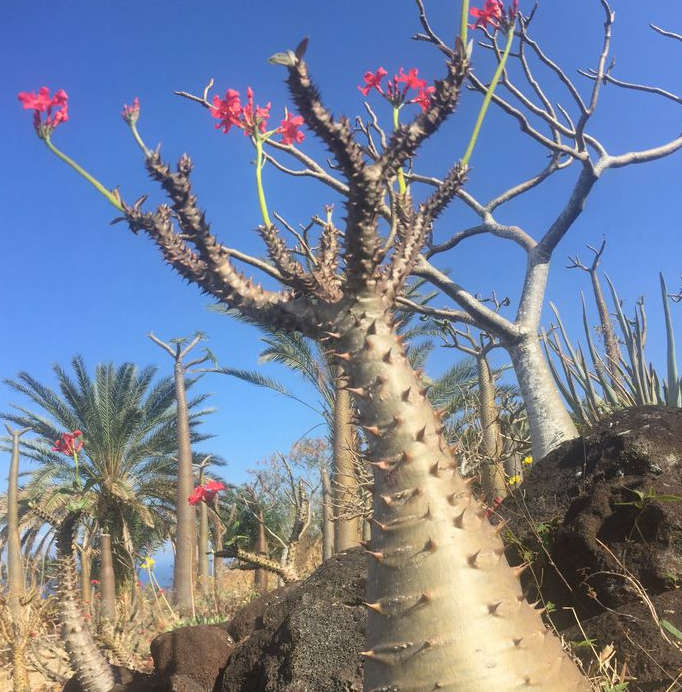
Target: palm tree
pixel 128 466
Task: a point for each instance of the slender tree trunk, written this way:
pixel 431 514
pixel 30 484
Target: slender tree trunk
pixel 203 549
pixel 550 423
pixel 346 531
pixel 327 516
pixel 492 471
pixel 15 572
pixel 184 549
pixel 107 580
pixel 260 575
pixel 445 609
pixel 218 564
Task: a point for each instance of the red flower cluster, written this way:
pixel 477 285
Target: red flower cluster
pixel 43 103
pixel 94 582
pixel 394 92
pixel 206 492
pixel 493 14
pixel 229 111
pixel 131 113
pixel 67 443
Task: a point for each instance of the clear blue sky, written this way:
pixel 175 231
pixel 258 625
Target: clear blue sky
pixel 71 283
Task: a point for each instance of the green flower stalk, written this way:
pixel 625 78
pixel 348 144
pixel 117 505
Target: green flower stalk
pixel 488 96
pixel 131 115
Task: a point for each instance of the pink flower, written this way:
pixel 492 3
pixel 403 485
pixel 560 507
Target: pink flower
pixel 131 113
pixel 94 582
pixel 67 443
pixel 373 81
pixel 252 120
pixel 289 129
pixel 42 103
pixel 197 496
pixel 489 15
pixel 410 79
pixel 227 110
pixel 423 98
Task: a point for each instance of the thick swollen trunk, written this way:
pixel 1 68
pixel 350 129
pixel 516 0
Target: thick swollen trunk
pixel 445 609
pixel 107 580
pixel 184 540
pixel 550 423
pixel 346 530
pixel 492 470
pixel 327 516
pixel 260 576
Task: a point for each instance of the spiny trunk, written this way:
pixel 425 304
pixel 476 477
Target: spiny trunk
pixel 327 516
pixel 92 670
pixel 107 580
pixel 609 335
pixel 445 609
pixel 346 531
pixel 184 541
pixel 492 470
pixel 550 423
pixel 260 576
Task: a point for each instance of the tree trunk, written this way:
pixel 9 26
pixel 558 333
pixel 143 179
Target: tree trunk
pixel 492 470
pixel 445 609
pixel 107 580
pixel 184 540
pixel 327 516
pixel 260 575
pixel 15 571
pixel 218 564
pixel 203 549
pixel 346 531
pixel 550 423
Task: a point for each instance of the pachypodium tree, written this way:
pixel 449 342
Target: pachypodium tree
pixel 565 132
pixel 446 611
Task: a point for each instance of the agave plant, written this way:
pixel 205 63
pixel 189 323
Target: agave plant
pixel 592 391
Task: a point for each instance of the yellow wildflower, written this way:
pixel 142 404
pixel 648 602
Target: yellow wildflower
pixel 148 563
pixel 514 480
pixel 528 460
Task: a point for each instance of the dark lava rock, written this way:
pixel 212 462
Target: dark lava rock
pixel 618 486
pixel 304 637
pixel 654 663
pixel 191 659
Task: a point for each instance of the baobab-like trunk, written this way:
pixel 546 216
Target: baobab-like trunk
pixel 346 531
pixel 492 470
pixel 107 580
pixel 445 609
pixel 260 576
pixel 550 422
pixel 327 516
pixel 184 540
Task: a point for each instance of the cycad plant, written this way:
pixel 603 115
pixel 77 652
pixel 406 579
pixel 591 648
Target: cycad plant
pixel 126 469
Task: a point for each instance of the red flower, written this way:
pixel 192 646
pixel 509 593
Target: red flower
pixel 94 582
pixel 42 103
pixel 197 496
pixel 410 79
pixel 491 14
pixel 214 486
pixel 227 110
pixel 373 81
pixel 289 129
pixel 423 98
pixel 131 113
pixel 67 443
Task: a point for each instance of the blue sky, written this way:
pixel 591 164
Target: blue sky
pixel 73 284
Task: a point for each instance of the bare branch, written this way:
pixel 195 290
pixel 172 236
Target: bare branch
pixel 663 32
pixel 639 156
pixel 444 313
pixel 608 78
